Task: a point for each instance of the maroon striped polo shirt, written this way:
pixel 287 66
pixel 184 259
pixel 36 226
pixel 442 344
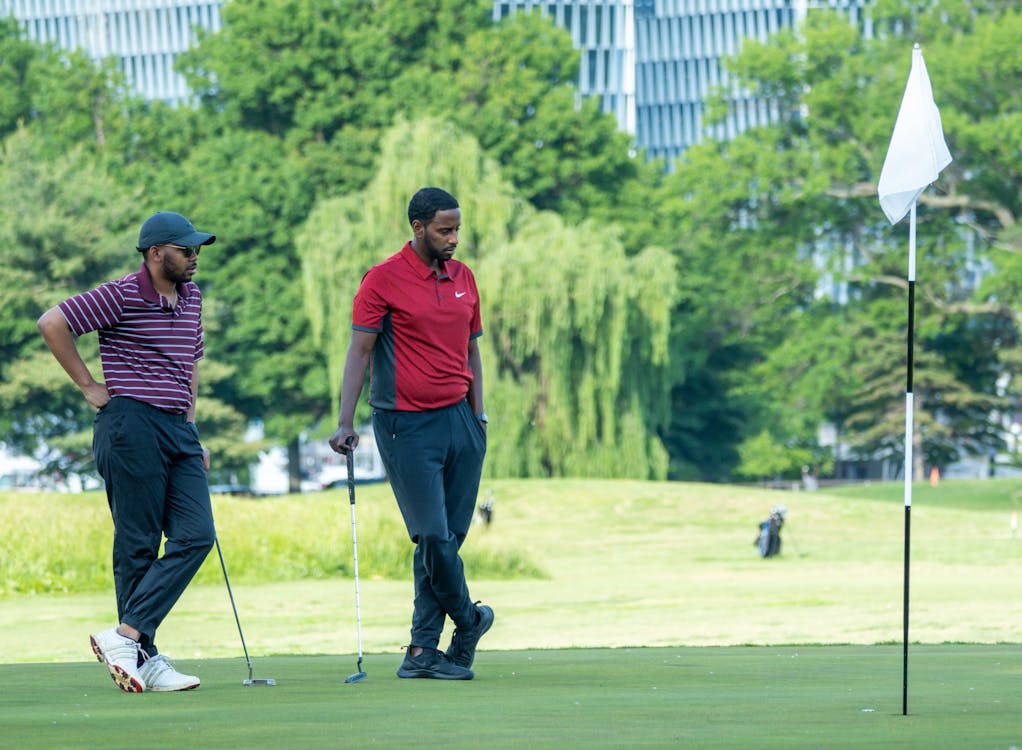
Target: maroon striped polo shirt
pixel 148 350
pixel 424 322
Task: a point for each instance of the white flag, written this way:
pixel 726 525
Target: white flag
pixel 917 152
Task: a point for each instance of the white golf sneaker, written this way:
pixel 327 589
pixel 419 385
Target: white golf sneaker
pixel 161 677
pixel 120 654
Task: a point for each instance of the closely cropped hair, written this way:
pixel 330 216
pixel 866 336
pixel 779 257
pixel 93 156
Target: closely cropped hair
pixel 425 203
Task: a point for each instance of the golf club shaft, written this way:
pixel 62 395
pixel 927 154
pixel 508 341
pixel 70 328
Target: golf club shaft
pixel 230 594
pixel 354 548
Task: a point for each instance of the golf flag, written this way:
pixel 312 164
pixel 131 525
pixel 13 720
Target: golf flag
pixel 917 152
pixel 915 157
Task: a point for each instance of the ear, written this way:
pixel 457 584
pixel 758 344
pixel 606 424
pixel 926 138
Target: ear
pixel 418 228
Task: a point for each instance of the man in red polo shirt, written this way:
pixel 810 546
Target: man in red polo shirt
pixel 145 441
pixel 415 323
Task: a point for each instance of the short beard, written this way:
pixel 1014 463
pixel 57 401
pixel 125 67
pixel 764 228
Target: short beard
pixel 170 274
pixel 433 252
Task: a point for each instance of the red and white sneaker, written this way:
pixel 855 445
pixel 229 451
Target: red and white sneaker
pixel 120 654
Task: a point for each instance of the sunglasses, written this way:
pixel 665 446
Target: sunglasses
pixel 188 252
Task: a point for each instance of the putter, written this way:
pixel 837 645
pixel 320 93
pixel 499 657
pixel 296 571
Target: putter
pixel 269 682
pixel 360 674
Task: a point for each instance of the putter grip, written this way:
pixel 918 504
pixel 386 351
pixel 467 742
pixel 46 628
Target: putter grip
pixel 350 459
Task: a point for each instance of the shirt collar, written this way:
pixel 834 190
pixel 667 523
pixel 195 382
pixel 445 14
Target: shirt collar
pixel 148 291
pixel 447 271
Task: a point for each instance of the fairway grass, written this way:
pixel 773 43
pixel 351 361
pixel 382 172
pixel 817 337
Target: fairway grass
pixel 741 697
pixel 625 564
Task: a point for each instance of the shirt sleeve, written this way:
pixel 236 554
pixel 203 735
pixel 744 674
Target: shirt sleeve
pixel 100 308
pixel 476 324
pixel 370 305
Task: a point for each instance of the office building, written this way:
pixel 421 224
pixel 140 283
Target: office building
pixel 653 63
pixel 144 36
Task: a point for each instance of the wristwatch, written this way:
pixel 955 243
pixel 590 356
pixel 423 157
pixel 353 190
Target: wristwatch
pixel 481 416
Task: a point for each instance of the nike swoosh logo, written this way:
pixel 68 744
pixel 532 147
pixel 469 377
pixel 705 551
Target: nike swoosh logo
pixel 459 295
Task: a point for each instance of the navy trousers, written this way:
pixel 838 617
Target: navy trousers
pixel 434 460
pixel 156 486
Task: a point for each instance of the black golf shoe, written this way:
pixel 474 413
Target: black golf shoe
pixel 432 664
pixel 462 650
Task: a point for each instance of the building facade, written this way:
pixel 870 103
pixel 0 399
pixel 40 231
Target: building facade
pixel 144 36
pixel 653 63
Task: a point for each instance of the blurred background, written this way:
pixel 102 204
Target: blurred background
pixel 670 207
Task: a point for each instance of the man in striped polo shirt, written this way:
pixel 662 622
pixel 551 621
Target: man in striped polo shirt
pixel 416 320
pixel 145 441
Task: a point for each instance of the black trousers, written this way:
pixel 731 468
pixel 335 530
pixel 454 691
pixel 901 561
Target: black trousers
pixel 156 486
pixel 434 460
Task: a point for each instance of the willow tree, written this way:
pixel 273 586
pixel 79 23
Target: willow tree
pixel 575 334
pixel 577 352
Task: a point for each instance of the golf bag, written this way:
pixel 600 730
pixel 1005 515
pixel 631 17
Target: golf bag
pixel 769 540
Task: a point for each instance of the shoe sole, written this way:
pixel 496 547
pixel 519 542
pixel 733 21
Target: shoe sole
pixel 174 690
pixel 126 682
pixel 428 674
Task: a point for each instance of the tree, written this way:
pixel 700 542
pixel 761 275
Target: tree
pixel 330 89
pixel 517 81
pixel 343 70
pixel 842 90
pixel 68 227
pixel 736 229
pixel 64 94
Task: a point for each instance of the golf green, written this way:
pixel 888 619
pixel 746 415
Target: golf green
pixel 960 696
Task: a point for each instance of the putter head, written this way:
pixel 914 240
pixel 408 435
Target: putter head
pixel 357 677
pixel 269 682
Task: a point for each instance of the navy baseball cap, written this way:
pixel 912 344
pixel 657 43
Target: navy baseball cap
pixel 168 227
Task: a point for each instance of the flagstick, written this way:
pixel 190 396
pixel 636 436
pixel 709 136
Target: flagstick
pixel 908 444
pixel 914 159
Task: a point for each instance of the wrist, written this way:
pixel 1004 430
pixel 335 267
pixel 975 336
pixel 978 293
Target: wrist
pixel 481 416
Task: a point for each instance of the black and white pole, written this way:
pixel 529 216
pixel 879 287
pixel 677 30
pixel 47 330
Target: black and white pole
pixel 909 434
pixel 915 157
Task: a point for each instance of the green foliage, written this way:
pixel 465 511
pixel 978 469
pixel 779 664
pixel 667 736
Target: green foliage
pixel 764 458
pixel 68 227
pixel 776 301
pixel 517 81
pixel 591 329
pixel 802 193
pixel 743 277
pixel 334 84
pixel 73 102
pixel 17 55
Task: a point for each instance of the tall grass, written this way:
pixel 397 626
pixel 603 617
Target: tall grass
pixel 566 563
pixel 62 543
